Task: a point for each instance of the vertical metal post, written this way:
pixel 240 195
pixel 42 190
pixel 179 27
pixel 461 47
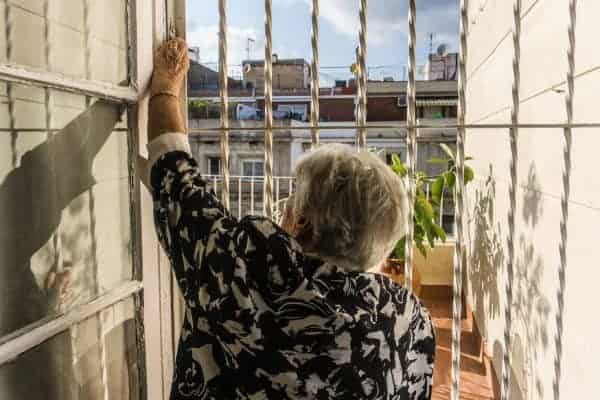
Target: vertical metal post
pixel 224 96
pixel 252 210
pixel 240 197
pixel 268 185
pixel 361 117
pixel 459 258
pixel 277 184
pixel 9 86
pixel 314 86
pixel 411 139
pixel 565 198
pixel 513 187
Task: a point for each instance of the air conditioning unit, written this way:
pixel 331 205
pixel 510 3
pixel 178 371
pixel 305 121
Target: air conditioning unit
pixel 401 101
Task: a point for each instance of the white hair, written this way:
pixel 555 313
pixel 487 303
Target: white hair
pixel 353 204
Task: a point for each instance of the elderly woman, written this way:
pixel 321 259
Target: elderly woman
pixel 286 313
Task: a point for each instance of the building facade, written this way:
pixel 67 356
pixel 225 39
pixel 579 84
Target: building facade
pixel 288 74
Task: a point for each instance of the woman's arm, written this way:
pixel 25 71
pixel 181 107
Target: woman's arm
pixel 170 66
pixel 210 251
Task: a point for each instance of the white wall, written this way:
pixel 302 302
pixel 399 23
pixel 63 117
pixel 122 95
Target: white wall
pixel 538 214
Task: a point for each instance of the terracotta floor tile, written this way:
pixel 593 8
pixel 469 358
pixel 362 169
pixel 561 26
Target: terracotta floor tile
pixel 476 376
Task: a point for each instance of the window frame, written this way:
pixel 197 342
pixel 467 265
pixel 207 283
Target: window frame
pixel 254 161
pixel 150 291
pixel 209 160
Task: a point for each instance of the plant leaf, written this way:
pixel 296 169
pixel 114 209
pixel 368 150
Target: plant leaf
pixel 427 208
pixel 422 248
pixel 436 190
pixel 397 166
pixel 400 248
pixel 469 174
pixel 450 179
pixel 439 232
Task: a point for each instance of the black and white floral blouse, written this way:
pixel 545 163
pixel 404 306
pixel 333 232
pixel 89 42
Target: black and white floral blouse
pixel 265 321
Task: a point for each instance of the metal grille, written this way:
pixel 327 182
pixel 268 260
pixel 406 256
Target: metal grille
pixel 412 126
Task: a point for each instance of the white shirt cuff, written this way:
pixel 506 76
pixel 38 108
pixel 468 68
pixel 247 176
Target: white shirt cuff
pixel 161 145
pixel 166 143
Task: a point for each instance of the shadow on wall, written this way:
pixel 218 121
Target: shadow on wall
pixel 33 199
pixel 487 254
pixel 530 308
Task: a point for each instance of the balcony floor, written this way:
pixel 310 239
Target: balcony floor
pixel 477 380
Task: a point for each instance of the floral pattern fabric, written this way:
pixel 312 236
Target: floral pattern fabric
pixel 263 320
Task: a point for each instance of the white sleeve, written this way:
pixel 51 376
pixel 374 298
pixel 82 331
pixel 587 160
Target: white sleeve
pixel 159 146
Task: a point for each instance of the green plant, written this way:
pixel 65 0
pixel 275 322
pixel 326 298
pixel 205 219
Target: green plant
pixel 426 214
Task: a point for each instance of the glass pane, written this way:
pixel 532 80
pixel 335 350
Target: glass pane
pixel 96 359
pixel 64 202
pixel 54 38
pixel 247 168
pixel 258 168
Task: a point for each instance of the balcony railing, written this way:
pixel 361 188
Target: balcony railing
pixel 246 197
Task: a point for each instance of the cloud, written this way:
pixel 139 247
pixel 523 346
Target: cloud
pixel 207 40
pixel 386 19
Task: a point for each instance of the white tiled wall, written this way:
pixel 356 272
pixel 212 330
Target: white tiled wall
pixel 543 67
pixel 66 37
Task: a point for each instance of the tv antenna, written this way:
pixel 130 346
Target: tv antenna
pixel 248 41
pixel 431 36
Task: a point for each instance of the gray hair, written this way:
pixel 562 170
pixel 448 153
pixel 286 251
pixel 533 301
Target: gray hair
pixel 352 202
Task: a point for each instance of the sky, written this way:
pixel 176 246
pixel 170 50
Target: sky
pixel 338 36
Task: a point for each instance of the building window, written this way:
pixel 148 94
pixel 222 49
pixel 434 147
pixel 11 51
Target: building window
pixel 295 111
pixel 214 166
pixel 253 168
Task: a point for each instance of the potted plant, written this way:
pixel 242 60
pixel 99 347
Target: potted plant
pixel 427 207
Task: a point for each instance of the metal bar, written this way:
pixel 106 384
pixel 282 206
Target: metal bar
pixel 512 190
pixel 361 115
pixel 240 198
pixel 277 197
pixel 459 258
pixel 224 95
pixel 411 140
pixel 9 86
pixel 314 86
pixel 268 184
pixel 402 126
pixel 252 210
pixel 565 198
pixel 31 336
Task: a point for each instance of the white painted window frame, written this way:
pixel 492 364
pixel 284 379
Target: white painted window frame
pixel 147 27
pixel 253 161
